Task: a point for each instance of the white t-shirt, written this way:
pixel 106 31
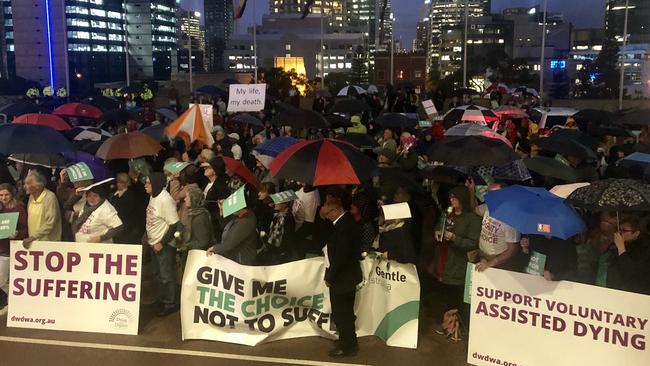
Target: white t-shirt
pixel 495 234
pixel 305 206
pixel 161 214
pixel 99 222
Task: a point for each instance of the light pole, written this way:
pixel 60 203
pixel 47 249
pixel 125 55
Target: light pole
pixel 622 79
pixel 392 49
pixel 126 45
pixel 322 31
pixel 541 59
pixel 465 45
pixel 255 41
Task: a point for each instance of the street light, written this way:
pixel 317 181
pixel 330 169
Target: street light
pixel 541 60
pixel 620 85
pixel 465 46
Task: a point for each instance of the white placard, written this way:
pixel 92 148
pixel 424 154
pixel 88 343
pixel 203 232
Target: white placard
pixel 396 211
pixel 206 115
pixel 246 97
pixel 75 287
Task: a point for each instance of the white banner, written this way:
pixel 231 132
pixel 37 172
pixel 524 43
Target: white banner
pixel 521 319
pixel 206 115
pixel 246 97
pixel 75 287
pixel 225 301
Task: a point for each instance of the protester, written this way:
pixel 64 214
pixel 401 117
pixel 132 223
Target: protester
pixel 98 221
pixel 629 267
pixel 43 214
pixel 264 207
pixel 239 239
pixel 129 210
pixel 197 228
pixel 357 126
pixel 162 225
pixel 280 242
pixel 9 204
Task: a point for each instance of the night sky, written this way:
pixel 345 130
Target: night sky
pixel 407 13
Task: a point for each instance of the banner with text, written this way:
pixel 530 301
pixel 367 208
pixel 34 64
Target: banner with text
pixel 75 287
pixel 246 97
pixel 224 301
pixel 514 314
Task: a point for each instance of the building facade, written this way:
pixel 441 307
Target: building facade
pixel 409 70
pixel 219 28
pixel 191 33
pixel 638 25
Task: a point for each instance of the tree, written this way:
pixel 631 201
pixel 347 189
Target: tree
pixel 359 70
pixel 279 82
pixel 606 69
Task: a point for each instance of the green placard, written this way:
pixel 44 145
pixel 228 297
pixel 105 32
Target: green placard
pixel 536 264
pixel 235 202
pixel 174 168
pixel 8 222
pixel 282 197
pixel 467 294
pixel 79 172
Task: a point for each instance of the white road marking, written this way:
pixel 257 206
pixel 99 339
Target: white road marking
pixel 119 347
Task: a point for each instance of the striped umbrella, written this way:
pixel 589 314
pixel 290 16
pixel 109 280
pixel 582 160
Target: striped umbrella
pixel 323 162
pixel 89 133
pixel 510 111
pixel 469 113
pixel 45 119
pixel 191 123
pixel 351 91
pixel 473 129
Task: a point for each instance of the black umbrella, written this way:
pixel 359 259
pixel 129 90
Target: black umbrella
pixel 612 195
pixel 118 116
pixel 246 118
pixel 565 147
pixel 593 115
pixel 21 107
pixel 298 118
pixel 157 132
pixel 360 140
pixel 638 117
pixel 445 174
pixel 351 106
pixel 211 90
pixel 610 131
pixel 89 147
pixel 395 120
pixel 44 160
pixel 338 121
pixel 550 167
pixel 469 113
pixel 103 103
pixel 472 151
pixel 576 135
pixel 39 139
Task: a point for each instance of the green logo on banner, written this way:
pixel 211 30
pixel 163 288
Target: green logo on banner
pixel 235 202
pixel 79 172
pixel 8 222
pixel 536 264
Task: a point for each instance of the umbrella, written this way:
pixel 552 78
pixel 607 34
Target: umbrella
pixel 323 162
pixel 636 158
pixel 50 120
pixel 510 111
pixel 78 110
pixel 565 147
pixel 593 115
pixel 128 146
pixel 360 140
pixel 499 87
pixel 472 151
pixel 119 116
pixel 53 161
pixel 300 118
pixel 23 138
pixel 103 103
pixel 338 121
pixel 523 90
pixel 469 113
pixel 156 132
pixel 610 131
pixel 564 190
pixel 212 90
pixel 613 195
pixel 576 135
pixel 167 113
pixel 445 174
pixel 21 107
pixel 90 147
pixel 533 210
pixel 350 106
pixel 81 133
pixel 237 167
pixel 372 89
pixel 473 129
pixel 397 178
pixel 396 120
pixel 275 146
pixel 323 93
pixel 96 165
pixel 639 117
pixel 351 91
pixel 230 81
pixel 246 118
pixel 550 167
pixel 191 123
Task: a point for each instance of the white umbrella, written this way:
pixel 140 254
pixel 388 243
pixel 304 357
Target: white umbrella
pixel 565 190
pixel 351 90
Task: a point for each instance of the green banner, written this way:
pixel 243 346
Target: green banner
pixel 79 172
pixel 235 202
pixel 8 222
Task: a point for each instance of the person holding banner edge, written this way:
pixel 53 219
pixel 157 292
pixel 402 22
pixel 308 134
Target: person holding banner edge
pixel 9 204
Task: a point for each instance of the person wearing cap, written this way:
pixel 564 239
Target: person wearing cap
pixel 161 228
pixel 279 244
pixel 235 148
pixel 98 221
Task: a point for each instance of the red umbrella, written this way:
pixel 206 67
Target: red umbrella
pixel 78 110
pixel 237 167
pixel 323 162
pixel 510 111
pixel 44 119
pixel 128 146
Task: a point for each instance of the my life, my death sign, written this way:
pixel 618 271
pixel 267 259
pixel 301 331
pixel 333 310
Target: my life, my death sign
pixel 246 97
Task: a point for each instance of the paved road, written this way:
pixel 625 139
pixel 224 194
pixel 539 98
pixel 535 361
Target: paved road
pixel 159 344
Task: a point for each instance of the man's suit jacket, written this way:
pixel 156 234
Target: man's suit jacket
pixel 344 253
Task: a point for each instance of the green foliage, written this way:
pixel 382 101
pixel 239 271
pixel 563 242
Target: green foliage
pixel 336 81
pixel 607 70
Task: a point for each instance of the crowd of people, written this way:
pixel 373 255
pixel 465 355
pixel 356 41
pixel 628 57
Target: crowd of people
pixel 173 202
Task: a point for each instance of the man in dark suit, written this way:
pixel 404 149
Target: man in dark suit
pixel 343 274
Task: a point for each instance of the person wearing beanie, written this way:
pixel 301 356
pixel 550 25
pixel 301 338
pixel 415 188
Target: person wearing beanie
pixel 161 228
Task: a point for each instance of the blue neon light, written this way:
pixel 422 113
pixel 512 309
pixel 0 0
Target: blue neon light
pixel 558 64
pixel 49 42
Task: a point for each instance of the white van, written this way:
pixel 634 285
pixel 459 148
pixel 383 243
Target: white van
pixel 548 117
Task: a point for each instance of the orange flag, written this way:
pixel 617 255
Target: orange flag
pixel 191 123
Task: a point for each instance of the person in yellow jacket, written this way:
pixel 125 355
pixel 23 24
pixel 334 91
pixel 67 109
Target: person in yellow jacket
pixel 357 126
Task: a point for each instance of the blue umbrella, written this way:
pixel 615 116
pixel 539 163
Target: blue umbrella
pixel 39 139
pixel 532 210
pixel 275 146
pixel 636 158
pixel 99 168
